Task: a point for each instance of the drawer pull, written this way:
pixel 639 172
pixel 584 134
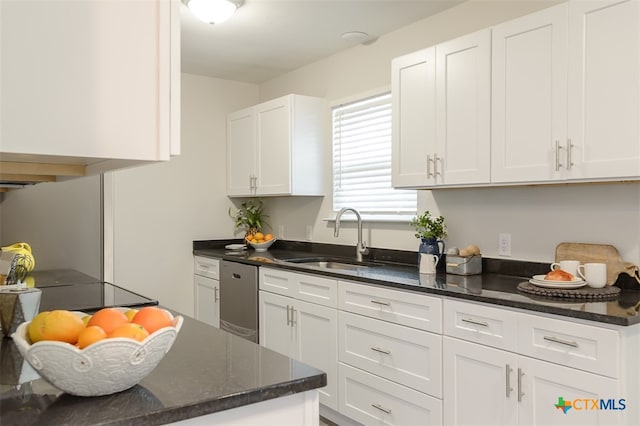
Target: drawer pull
pixel 216 294
pixel 377 302
pixel 470 321
pixel 508 371
pixel 288 315
pixel 382 351
pixel 520 393
pixel 381 408
pixel 562 342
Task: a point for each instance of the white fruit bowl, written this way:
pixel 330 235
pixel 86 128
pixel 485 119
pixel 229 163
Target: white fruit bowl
pixel 102 368
pixel 262 246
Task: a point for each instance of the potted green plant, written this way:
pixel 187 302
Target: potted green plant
pixel 249 217
pixel 431 231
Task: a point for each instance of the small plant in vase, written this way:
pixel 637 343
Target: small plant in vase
pixel 249 218
pixel 431 231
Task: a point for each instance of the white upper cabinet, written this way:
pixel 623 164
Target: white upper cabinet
pixel 529 102
pixel 566 94
pixel 463 110
pixel 90 82
pixel 275 148
pixel 441 114
pixel 413 95
pixel 604 89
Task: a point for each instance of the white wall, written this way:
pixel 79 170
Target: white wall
pixel 160 209
pixel 61 222
pixel 538 218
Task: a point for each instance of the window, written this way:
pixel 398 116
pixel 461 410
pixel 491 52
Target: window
pixel 362 159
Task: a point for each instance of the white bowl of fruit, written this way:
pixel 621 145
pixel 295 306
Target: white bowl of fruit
pixel 260 241
pixel 100 354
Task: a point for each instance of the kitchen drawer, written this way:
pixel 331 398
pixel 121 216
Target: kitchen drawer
pixel 207 267
pixel 580 346
pixel 402 354
pixel 370 399
pixel 310 288
pixel 401 307
pixel 481 324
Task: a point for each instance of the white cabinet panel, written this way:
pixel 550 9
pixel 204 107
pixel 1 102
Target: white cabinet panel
pixel 90 81
pixel 529 97
pixel 463 102
pixel 604 88
pixel 402 354
pixel 241 144
pixel 311 288
pixel 372 400
pixel 276 332
pixel 413 99
pixel 207 300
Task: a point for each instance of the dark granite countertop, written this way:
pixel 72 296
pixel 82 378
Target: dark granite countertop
pixel 497 285
pixel 206 371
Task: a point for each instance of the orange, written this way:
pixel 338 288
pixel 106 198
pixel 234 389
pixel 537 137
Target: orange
pixel 249 237
pixel 152 318
pixel 130 330
pixel 61 325
pixel 108 319
pixel 259 236
pixel 268 237
pixel 130 314
pixel 90 335
pixel 36 326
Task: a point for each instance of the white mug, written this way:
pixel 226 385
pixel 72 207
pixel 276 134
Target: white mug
pixel 570 266
pixel 428 263
pixel 595 274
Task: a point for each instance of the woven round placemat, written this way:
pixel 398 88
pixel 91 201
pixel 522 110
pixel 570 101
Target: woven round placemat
pixel 582 293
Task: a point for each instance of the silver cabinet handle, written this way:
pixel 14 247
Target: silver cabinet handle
pixel 470 321
pixel 520 393
pixel 569 159
pixel 382 351
pixel 435 165
pixel 561 341
pixel 381 408
pixel 293 316
pixel 508 387
pixel 429 160
pixel 216 294
pixel 377 302
pixel 558 148
pixel 288 315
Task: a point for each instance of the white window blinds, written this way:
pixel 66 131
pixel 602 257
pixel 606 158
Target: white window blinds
pixel 362 159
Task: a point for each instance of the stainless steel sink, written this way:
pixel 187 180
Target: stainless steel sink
pixel 333 263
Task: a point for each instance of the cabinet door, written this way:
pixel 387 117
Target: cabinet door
pixel 276 330
pixel 273 121
pixel 207 300
pixel 604 88
pixel 317 338
pixel 529 97
pixel 413 117
pixel 479 385
pixel 463 102
pixel 543 384
pixel 241 151
pixel 91 79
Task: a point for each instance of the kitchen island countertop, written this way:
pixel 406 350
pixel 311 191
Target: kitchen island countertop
pixel 206 371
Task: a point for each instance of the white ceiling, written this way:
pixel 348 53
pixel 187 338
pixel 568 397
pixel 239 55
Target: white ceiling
pixel 267 38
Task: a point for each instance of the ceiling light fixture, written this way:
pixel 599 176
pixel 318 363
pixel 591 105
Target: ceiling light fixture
pixel 213 11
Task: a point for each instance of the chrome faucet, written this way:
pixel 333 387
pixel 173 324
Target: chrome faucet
pixel 361 247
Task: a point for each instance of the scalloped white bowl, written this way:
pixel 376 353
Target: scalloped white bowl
pixel 262 246
pixel 105 367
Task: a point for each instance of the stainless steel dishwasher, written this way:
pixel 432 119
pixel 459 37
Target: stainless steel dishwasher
pixel 239 299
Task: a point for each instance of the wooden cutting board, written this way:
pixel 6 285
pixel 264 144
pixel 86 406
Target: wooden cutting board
pixel 598 253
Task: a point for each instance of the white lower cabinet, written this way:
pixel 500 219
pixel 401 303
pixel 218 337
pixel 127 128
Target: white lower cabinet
pixel 372 400
pixel 206 288
pixel 488 381
pixel 301 330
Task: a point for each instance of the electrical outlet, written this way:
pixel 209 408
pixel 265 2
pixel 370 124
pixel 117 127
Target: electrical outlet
pixel 309 232
pixel 281 232
pixel 504 244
